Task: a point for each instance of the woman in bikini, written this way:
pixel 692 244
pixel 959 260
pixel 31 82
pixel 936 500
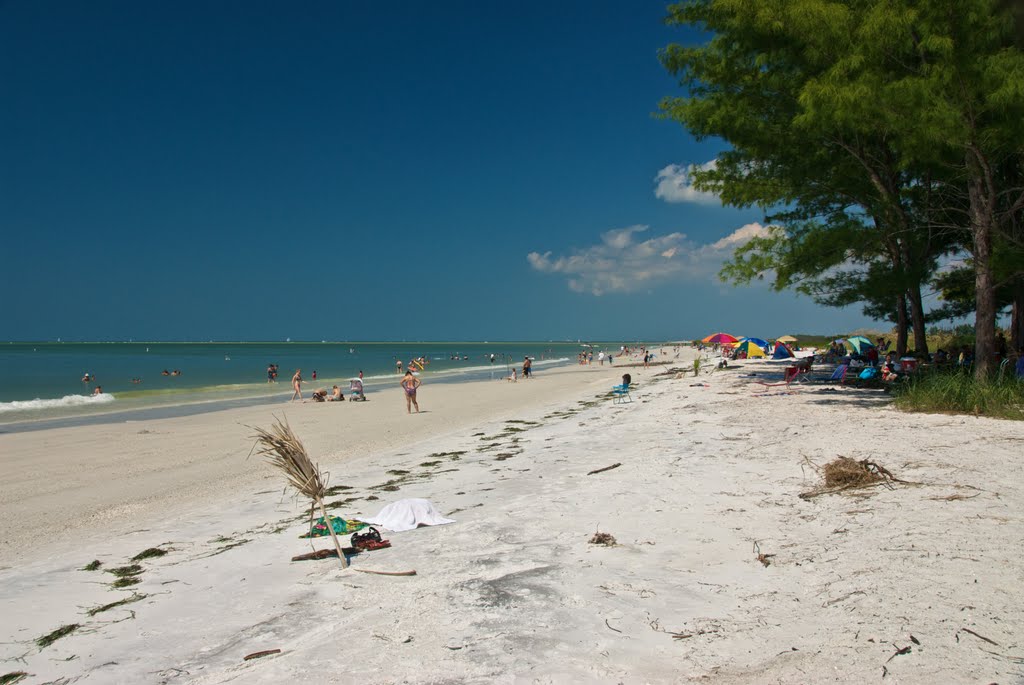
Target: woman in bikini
pixel 409 384
pixel 297 384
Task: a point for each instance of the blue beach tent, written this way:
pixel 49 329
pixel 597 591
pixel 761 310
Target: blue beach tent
pixel 782 352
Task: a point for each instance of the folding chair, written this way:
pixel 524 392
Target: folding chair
pixel 620 394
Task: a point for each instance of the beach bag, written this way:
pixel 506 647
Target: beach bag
pixel 868 373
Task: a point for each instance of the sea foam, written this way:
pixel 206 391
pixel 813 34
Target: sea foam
pixel 66 401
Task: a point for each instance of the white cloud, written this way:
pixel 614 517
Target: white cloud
pixel 619 263
pixel 675 185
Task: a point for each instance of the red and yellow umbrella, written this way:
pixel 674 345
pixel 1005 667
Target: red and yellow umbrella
pixel 720 338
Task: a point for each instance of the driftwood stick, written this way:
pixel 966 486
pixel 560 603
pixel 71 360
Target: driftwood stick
pixel 334 536
pixel 386 573
pixel 265 652
pixel 606 468
pixel 980 637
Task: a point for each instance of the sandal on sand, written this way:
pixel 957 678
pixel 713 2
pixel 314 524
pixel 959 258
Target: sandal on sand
pixel 371 534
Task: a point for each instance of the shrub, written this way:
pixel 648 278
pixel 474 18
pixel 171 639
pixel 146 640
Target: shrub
pixel 959 392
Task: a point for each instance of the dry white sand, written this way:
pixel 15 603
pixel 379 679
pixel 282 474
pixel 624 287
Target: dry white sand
pixel 513 592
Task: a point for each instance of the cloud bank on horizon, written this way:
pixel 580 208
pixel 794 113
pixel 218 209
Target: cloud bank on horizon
pixel 674 184
pixel 621 264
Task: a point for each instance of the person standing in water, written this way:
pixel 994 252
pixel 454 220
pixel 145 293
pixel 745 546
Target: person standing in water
pixel 297 384
pixel 409 384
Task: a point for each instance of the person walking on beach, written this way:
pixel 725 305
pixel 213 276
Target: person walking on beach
pixel 527 368
pixel 297 384
pixel 409 384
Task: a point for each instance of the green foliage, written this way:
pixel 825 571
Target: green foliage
pixel 92 565
pixel 959 392
pixel 696 367
pixel 884 133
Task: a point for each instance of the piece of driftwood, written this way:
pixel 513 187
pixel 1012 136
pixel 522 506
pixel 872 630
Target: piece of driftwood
pixel 325 554
pixel 606 468
pixel 900 651
pixel 386 573
pixel 257 655
pixel 980 637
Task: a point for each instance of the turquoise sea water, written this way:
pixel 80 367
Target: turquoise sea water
pixel 43 380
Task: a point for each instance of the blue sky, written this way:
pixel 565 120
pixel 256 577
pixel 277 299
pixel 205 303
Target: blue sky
pixel 344 170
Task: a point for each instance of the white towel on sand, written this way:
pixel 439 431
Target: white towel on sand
pixel 406 514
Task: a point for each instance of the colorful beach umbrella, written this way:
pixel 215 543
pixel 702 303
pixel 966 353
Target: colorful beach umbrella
pixel 720 338
pixel 757 341
pixel 786 339
pixel 751 348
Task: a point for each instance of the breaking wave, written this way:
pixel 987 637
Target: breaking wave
pixel 66 401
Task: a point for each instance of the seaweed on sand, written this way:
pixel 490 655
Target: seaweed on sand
pixel 151 553
pixel 136 597
pixel 50 638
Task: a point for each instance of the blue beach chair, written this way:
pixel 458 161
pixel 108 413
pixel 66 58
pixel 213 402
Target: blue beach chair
pixel 620 394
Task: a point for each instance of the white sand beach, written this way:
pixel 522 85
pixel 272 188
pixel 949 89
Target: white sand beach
pixel 918 582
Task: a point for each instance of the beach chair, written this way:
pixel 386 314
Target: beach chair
pixel 620 394
pixel 840 373
pixel 792 374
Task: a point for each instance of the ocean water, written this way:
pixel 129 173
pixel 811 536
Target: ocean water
pixel 40 381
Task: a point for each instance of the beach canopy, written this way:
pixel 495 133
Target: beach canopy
pixel 782 351
pixel 858 343
pixel 720 338
pixel 757 341
pixel 786 339
pixel 751 348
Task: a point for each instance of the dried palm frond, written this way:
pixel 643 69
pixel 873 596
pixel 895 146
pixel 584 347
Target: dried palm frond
pixel 283 449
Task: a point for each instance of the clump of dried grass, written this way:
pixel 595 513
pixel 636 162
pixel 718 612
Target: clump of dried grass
pixel 606 539
pixel 285 451
pixel 844 473
pixel 850 472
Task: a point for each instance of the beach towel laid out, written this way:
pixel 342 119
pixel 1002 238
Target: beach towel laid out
pixel 340 525
pixel 407 514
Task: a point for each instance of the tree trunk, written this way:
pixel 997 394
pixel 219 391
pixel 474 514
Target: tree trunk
pixel 1017 320
pixel 901 325
pixel 917 319
pixel 981 218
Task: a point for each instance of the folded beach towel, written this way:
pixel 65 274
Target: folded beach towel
pixel 407 514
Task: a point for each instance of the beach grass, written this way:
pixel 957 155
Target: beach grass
pixel 12 677
pixel 961 393
pixel 92 565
